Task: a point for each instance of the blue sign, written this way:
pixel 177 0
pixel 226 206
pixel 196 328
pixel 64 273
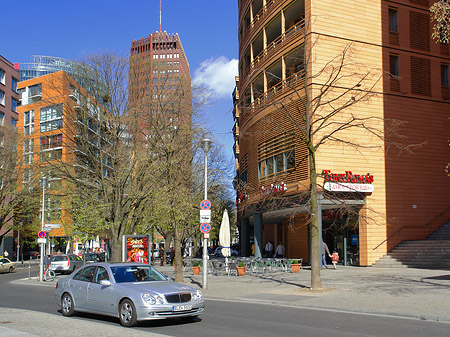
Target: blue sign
pixel 205 204
pixel 205 227
pixel 355 240
pixel 41 234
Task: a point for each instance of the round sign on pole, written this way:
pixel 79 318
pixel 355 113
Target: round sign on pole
pixel 205 227
pixel 41 234
pixel 205 204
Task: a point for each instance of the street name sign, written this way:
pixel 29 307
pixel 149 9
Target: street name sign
pixel 205 216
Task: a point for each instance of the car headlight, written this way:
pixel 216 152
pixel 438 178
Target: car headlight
pixel 197 296
pixel 150 299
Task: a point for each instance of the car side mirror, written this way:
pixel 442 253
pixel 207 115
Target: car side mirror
pixel 105 283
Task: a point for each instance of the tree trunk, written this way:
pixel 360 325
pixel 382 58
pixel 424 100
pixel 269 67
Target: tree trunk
pixel 116 249
pixel 178 263
pixel 316 282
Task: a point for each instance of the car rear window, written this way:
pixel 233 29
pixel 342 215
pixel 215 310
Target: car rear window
pixel 59 258
pixel 124 274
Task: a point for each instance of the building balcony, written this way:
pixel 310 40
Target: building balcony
pixel 282 88
pixel 258 19
pixel 236 130
pixel 273 48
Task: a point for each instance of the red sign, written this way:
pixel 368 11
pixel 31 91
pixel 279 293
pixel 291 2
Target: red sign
pixel 137 249
pixel 41 234
pixel 272 189
pixel 205 204
pixel 347 177
pixel 205 227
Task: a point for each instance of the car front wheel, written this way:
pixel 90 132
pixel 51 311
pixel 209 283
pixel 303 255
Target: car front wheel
pixel 127 313
pixel 67 305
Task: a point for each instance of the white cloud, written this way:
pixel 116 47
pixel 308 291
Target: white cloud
pixel 218 75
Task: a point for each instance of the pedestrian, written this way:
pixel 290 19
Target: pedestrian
pixel 268 249
pixel 172 255
pixel 325 250
pixel 279 252
pixel 5 253
pixel 334 258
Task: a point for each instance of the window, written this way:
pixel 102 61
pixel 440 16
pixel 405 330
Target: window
pixel 51 142
pixel 35 90
pixel 444 75
pixel 393 65
pixel 27 175
pixel 2 97
pixel 2 76
pixel 13 122
pixel 50 155
pixel 51 118
pixel 13 84
pixel 28 149
pixel 393 20
pixel 28 123
pixel 101 274
pixel 14 104
pixel 275 164
pixel 85 274
pixel 155 56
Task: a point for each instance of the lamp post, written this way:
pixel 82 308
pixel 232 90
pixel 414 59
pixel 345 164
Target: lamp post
pixel 206 146
pixel 41 263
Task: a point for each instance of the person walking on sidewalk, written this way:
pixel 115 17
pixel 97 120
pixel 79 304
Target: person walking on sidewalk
pixel 327 251
pixel 279 252
pixel 268 249
pixel 334 258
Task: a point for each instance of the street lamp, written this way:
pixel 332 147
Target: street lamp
pixel 43 181
pixel 206 146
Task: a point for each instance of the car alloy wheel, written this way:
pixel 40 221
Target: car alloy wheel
pixel 127 314
pixel 67 305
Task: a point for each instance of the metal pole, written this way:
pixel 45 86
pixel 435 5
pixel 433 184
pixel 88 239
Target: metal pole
pixel 41 263
pixel 205 241
pixel 18 245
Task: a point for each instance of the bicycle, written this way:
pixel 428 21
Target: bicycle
pixel 49 275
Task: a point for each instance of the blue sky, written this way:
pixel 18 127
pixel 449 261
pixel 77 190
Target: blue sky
pixel 73 29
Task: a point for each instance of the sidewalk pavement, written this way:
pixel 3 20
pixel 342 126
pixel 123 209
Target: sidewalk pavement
pixel 406 292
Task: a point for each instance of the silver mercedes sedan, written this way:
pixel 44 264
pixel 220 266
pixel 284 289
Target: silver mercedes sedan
pixel 130 291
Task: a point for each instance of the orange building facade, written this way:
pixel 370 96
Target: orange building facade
pixel 404 195
pixel 49 107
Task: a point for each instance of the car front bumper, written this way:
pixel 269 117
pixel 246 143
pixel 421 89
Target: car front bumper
pixel 167 311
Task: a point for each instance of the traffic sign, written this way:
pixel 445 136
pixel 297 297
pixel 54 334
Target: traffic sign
pixel 205 227
pixel 205 215
pixel 205 204
pixel 42 240
pixel 41 234
pixel 205 235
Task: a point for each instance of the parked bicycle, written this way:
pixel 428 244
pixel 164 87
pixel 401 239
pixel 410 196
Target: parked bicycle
pixel 49 275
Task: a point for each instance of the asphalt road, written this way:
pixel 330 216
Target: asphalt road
pixel 230 318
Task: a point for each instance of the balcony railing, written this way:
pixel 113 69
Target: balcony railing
pixel 285 38
pixel 258 19
pixel 271 95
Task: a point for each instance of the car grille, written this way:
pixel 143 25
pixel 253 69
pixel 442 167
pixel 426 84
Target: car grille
pixel 178 298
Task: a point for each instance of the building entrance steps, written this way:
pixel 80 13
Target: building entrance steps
pixel 432 253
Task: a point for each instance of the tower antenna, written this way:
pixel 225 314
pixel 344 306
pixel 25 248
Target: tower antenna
pixel 160 16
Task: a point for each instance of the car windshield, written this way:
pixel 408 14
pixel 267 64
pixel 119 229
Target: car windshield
pixel 59 258
pixel 136 273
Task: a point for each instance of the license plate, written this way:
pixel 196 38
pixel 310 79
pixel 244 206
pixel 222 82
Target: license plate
pixel 181 307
